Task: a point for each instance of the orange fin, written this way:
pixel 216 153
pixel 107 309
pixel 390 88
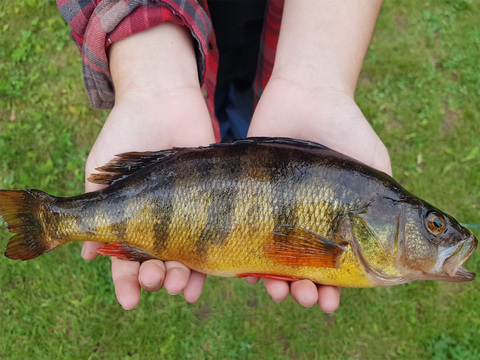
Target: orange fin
pixel 126 164
pixel 20 212
pixel 125 252
pixel 269 276
pixel 296 246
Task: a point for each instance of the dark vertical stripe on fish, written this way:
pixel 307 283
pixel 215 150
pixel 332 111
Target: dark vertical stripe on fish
pixel 163 211
pixel 283 191
pixel 221 209
pixel 114 214
pixel 204 168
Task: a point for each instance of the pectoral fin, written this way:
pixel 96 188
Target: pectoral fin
pixel 296 246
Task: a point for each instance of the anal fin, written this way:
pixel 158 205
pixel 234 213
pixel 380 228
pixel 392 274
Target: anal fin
pixel 269 276
pixel 125 252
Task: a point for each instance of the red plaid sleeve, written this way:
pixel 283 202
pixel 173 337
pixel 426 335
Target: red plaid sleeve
pixel 96 24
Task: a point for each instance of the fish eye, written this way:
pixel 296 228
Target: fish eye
pixel 435 223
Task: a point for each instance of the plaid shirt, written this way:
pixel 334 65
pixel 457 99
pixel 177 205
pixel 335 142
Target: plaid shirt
pixel 96 24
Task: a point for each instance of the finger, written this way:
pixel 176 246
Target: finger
pixel 194 287
pixel 304 292
pixel 277 289
pixel 252 279
pixel 125 279
pixel 329 297
pixel 176 278
pixel 89 249
pixel 152 275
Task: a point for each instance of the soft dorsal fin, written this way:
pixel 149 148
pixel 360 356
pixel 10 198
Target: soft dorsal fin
pixel 306 144
pixel 296 246
pixel 128 163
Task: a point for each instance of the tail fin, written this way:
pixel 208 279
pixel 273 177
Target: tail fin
pixel 20 212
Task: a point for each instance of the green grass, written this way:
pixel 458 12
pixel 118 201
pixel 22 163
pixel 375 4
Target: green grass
pixel 420 88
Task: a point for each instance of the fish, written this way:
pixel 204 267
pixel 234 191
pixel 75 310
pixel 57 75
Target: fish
pixel 276 208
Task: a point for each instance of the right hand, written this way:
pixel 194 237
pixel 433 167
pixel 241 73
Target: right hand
pixel 158 105
pixel 141 126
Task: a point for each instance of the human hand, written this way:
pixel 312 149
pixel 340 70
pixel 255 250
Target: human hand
pixel 150 113
pixel 326 115
pixel 309 96
pixel 329 117
pixel 138 127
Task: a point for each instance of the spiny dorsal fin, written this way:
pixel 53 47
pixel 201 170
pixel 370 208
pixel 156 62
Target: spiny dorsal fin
pixel 128 163
pixel 296 246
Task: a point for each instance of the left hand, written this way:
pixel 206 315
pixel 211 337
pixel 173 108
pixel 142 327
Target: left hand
pixel 327 116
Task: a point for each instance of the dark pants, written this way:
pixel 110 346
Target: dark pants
pixel 238 27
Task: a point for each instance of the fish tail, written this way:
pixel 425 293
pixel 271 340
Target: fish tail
pixel 20 211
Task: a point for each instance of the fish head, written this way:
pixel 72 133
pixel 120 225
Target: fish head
pixel 432 245
pixel 399 240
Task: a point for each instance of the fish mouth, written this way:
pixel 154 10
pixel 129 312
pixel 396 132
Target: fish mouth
pixel 453 264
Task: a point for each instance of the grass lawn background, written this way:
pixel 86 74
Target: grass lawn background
pixel 420 88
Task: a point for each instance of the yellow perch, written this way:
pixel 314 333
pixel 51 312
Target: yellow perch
pixel 270 207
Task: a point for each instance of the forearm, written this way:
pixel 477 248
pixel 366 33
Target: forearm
pixel 157 62
pixel 98 23
pixel 323 42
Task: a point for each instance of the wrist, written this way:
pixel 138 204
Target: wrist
pixel 172 118
pixel 325 115
pixel 308 78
